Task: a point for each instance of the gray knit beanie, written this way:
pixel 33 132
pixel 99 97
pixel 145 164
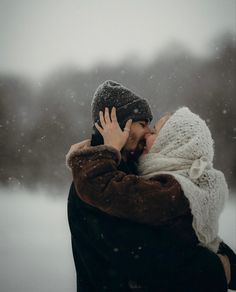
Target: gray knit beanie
pixel 128 104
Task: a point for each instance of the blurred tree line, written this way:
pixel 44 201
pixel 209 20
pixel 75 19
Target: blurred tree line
pixel 39 121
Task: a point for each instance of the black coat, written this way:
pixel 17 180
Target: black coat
pixel 110 253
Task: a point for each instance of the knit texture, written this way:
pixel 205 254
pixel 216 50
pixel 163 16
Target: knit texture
pixel 184 149
pixel 128 104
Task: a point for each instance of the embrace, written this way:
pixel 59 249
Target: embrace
pixel 144 204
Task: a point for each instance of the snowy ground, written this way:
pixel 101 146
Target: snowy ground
pixel 35 248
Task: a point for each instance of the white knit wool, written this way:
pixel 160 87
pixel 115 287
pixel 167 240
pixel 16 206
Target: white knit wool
pixel 184 149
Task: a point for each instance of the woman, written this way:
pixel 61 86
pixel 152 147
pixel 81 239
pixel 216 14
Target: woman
pixel 180 146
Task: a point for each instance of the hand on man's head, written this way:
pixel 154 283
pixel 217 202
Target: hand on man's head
pixel 110 129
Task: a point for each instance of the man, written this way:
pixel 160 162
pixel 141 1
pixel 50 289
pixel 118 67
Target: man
pixel 103 245
pixel 96 236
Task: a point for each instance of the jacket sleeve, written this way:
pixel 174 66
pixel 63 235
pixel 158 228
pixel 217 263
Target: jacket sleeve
pixel 99 183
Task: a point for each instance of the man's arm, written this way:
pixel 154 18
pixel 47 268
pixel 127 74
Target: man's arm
pixel 99 183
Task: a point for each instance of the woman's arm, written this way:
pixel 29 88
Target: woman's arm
pixel 99 183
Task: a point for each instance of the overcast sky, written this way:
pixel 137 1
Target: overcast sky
pixel 36 37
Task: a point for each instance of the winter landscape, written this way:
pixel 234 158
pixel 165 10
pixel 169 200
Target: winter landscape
pixel 53 56
pixel 35 241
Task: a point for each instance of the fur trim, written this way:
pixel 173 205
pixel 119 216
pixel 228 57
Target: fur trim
pixel 102 151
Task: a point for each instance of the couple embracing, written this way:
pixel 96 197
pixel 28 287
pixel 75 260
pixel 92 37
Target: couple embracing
pixel 144 204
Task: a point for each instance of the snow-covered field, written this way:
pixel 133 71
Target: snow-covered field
pixel 35 252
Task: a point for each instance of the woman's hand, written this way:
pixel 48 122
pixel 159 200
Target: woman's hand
pixel 111 131
pixel 226 264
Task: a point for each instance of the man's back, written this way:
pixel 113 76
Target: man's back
pixel 110 253
pixel 93 253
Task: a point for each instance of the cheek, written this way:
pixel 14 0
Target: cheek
pixel 131 143
pixel 150 141
pixel 135 136
pixel 132 137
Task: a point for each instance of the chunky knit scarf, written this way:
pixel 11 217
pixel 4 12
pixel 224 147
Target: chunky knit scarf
pixel 184 149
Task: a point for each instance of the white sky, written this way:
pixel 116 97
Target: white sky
pixel 38 36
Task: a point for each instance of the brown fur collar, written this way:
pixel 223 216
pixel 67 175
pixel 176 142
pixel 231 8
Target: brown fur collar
pixel 73 160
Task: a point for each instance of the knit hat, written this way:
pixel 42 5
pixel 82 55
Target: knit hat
pixel 128 105
pixel 184 149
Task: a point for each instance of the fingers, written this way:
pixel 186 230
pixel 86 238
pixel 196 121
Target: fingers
pixel 126 130
pixel 128 125
pixel 113 115
pixel 86 143
pixel 226 264
pixel 100 129
pixel 104 119
pixel 107 116
pixel 101 117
